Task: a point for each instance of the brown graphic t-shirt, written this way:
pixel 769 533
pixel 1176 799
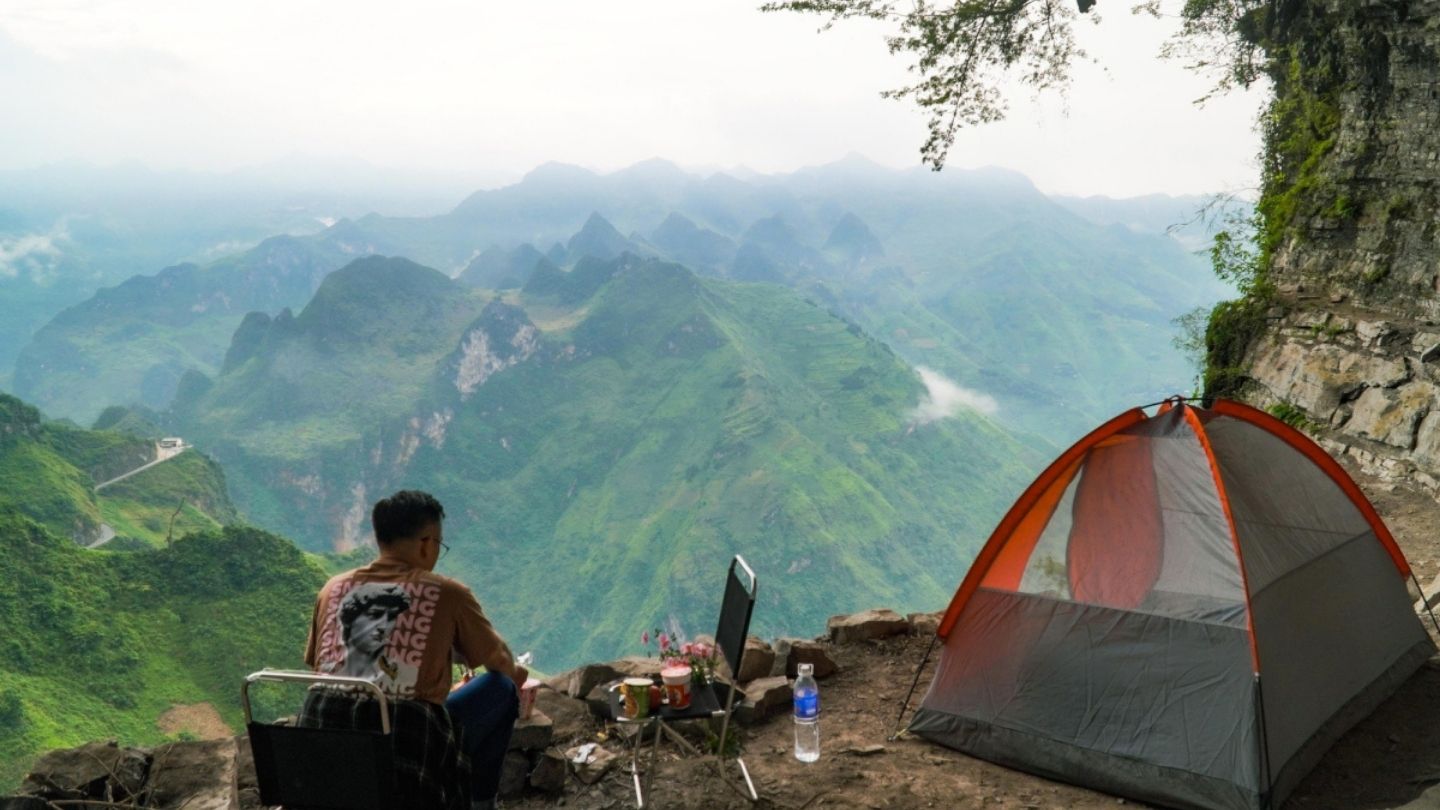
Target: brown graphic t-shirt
pixel 397 626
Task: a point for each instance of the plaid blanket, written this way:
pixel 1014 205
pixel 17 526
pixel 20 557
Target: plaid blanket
pixel 431 770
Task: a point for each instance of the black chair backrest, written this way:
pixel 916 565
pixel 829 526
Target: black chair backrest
pixel 306 768
pixel 323 769
pixel 735 613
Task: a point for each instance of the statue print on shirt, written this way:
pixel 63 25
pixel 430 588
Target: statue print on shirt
pixel 378 631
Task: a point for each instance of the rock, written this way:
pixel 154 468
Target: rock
pixel 1317 378
pixel 866 625
pixel 577 683
pixel 97 770
pixel 757 660
pixel 194 776
pixel 764 698
pixel 533 733
pixel 514 774
pixel 808 652
pixel 570 717
pixel 247 786
pixel 1392 416
pixel 598 700
pixel 1373 332
pixel 864 750
pixel 1432 597
pixel 925 624
pixel 548 775
pixel 589 762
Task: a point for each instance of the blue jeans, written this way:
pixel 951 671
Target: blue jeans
pixel 485 710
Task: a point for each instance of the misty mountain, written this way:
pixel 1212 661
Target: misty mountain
pixel 921 260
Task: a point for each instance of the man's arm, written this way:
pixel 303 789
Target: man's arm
pixel 480 644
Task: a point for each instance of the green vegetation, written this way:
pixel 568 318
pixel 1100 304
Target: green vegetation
pixel 604 475
pixel 99 644
pixel 181 496
pixel 48 471
pixel 1292 416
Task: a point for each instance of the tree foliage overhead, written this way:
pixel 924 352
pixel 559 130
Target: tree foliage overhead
pixel 964 51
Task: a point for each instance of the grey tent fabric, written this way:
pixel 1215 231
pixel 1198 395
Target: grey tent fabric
pixel 1189 612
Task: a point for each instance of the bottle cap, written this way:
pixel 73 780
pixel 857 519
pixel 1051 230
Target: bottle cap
pixel 805 669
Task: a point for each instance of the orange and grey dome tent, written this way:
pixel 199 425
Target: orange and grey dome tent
pixel 1187 608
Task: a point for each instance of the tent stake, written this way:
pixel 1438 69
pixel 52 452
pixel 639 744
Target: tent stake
pixel 1424 600
pixel 913 684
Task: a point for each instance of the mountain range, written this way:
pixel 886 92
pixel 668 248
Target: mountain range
pixel 1058 318
pixel 604 444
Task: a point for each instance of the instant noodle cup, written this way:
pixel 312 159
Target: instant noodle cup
pixel 527 697
pixel 677 686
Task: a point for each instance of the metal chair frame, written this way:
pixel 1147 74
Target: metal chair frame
pixel 273 791
pixel 658 719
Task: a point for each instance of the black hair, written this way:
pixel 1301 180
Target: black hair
pixel 389 596
pixel 404 514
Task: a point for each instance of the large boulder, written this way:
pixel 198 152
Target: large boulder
pixel 514 774
pixel 578 682
pixel 194 776
pixel 98 770
pixel 790 653
pixel 866 626
pixel 571 717
pixel 924 624
pixel 764 698
pixel 548 775
pixel 757 660
pixel 532 733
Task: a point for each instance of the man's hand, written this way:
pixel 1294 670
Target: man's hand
pixel 521 675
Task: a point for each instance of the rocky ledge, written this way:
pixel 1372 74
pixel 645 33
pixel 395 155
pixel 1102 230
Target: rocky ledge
pixel 548 757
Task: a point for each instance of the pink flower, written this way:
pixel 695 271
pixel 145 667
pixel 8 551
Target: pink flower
pixel 687 648
pixel 664 641
pixel 645 638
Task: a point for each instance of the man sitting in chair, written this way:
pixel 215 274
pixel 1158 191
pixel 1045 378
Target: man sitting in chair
pixel 395 623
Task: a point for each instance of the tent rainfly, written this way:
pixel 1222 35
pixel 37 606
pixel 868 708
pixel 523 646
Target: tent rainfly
pixel 1187 608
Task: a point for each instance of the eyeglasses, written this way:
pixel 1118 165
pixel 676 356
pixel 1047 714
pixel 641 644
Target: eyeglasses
pixel 444 549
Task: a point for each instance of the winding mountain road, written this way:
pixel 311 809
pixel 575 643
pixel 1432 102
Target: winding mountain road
pixel 162 453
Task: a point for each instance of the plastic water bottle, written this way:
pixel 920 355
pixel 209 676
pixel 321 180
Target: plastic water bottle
pixel 807 715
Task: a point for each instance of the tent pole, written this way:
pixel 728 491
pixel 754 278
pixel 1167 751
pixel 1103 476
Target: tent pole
pixel 1424 600
pixel 1268 798
pixel 913 684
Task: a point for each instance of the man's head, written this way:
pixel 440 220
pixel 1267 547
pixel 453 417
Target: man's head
pixel 368 613
pixel 408 525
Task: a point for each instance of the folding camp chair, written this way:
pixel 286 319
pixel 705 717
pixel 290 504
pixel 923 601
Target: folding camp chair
pixel 320 768
pixel 735 609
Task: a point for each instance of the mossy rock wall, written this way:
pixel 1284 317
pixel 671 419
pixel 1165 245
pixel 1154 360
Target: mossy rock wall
pixel 1352 155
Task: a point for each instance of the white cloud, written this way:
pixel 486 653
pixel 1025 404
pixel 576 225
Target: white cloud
pixel 944 398
pixel 31 253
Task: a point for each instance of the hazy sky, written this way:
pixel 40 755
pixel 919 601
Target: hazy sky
pixel 488 90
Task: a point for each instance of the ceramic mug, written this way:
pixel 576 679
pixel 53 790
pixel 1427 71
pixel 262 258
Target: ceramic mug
pixel 636 692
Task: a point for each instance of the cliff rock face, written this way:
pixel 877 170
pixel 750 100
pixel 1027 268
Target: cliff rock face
pixel 1351 334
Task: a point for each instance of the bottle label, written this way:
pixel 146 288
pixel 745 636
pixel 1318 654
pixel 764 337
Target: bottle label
pixel 807 705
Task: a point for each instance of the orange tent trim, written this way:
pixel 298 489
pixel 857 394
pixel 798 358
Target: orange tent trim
pixel 1023 506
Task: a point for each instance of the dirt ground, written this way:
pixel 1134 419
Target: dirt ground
pixel 198 719
pixel 1388 760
